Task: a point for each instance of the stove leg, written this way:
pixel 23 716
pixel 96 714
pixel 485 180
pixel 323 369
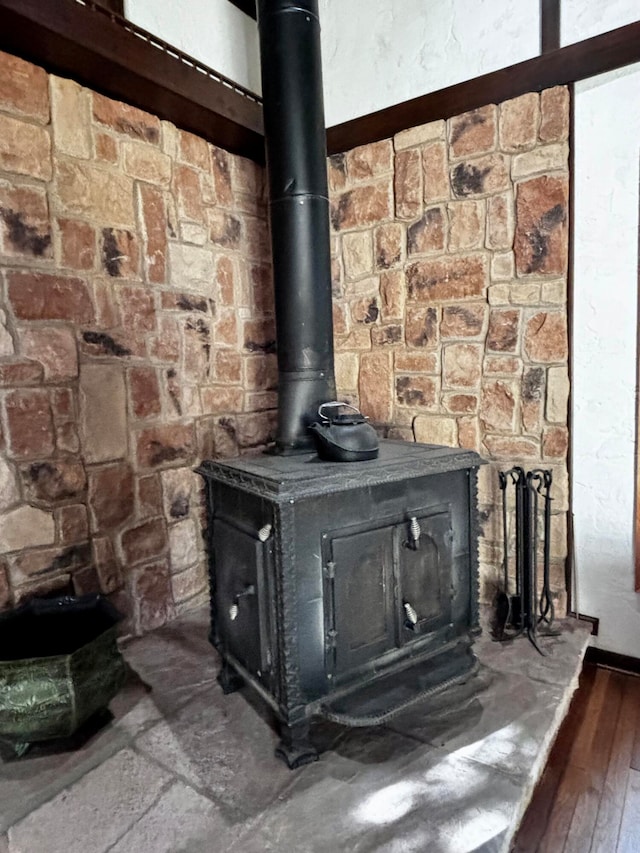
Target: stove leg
pixel 229 679
pixel 295 748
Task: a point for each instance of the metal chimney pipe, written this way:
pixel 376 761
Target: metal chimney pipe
pixel 299 211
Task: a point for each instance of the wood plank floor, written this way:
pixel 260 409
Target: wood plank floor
pixel 588 799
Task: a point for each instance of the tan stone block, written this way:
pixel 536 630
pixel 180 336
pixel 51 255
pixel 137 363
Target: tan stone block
pixel 191 268
pixel 347 367
pixel 17 372
pixel 512 449
pixel 500 221
pixel 408 184
pixel 103 408
pixel 503 266
pixel 357 254
pixel 498 406
pixel 524 293
pixel 87 190
pixel 481 176
pixel 55 348
pixel 541 241
pixel 469 434
pixel 357 339
pixel 55 480
pixel 419 135
pixel 545 337
pixel 554 106
pixel 466 225
pixel 24 88
pixel 370 161
pixel 369 286
pixel 388 335
pixel 447 279
pixel 183 545
pixel 25 230
pixel 24 148
pixel 165 444
pixel 462 321
pixel 392 294
pixel 337 172
pixel 462 365
pixel 70 118
pixel 557 395
pixel 504 329
pixel 419 392
pixel 554 292
pixel 26 527
pixel 473 132
pixel 435 429
pixel 154 230
pixel 9 489
pixel 77 244
pixel 519 119
pixel 499 294
pixel 374 386
pixel 145 162
pixel 126 119
pixel 362 206
pixel 7 346
pixel 416 362
pixel 365 310
pixel 559 538
pixel 421 327
pixel 435 173
pixel 547 158
pixel 389 240
pixel 427 235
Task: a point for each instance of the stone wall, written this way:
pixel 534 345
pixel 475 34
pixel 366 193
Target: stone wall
pixel 450 269
pixel 135 338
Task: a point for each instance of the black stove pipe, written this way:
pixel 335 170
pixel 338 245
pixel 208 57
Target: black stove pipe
pixel 295 139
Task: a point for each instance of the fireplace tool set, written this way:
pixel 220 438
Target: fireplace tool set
pixel 526 611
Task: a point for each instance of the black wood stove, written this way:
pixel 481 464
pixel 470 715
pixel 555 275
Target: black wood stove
pixel 342 590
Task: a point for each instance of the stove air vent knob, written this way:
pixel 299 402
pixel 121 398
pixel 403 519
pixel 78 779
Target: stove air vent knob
pixel 411 614
pixel 233 612
pixel 265 532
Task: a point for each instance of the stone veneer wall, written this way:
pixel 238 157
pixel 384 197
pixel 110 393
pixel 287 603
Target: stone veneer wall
pixel 450 271
pixel 135 327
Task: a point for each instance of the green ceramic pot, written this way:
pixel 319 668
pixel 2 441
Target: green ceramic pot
pixel 59 664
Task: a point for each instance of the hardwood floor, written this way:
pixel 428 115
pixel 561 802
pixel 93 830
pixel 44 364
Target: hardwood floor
pixel 588 799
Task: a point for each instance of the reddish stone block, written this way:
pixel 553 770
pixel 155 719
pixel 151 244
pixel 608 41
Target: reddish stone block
pixel 145 391
pixel 469 434
pixel 173 301
pixel 227 366
pixel 107 566
pixel 481 176
pixel 24 222
pixel 193 150
pixel 77 244
pixel 447 279
pixel 362 206
pixel 168 443
pixel 414 362
pixel 392 293
pixel 497 406
pixel 365 310
pixel 144 542
pixel 511 449
pixel 259 335
pixel 519 120
pixel 225 279
pixel 555 443
pixel 435 172
pixel 54 480
pixel 370 161
pixel 126 119
pixel 225 229
pixel 416 391
pixel 188 192
pixel 504 327
pixel 388 245
pixel 374 386
pixel 119 253
pixel 408 184
pixel 461 404
pixel 24 88
pixel 54 347
pixel 255 430
pixel 541 240
pixel 5 589
pixel 554 106
pixel 422 327
pixel 473 132
pixel 221 176
pixel 427 234
pixel 67 440
pixel 30 423
pixel 222 399
pixel 62 403
pixel 25 149
pixel 86 581
pixel 73 525
pixel 110 496
pixel 462 321
pixel 151 592
pixel 545 338
pixel 149 496
pixel 39 296
pixel 137 308
pixel 154 222
pixel 20 372
pixel 106 148
pixel 165 346
pixel 337 172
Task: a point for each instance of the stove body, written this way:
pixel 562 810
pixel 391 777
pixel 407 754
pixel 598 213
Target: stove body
pixel 345 591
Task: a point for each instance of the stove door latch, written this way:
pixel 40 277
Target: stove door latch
pixel 234 610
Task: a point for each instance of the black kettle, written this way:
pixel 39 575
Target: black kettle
pixel 344 436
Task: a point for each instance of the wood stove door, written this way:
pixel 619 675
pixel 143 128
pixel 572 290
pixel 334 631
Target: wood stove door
pixel 363 623
pixel 425 566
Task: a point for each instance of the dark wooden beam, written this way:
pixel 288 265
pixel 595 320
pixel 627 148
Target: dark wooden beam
pixel 612 660
pixel 587 58
pixel 549 25
pixel 124 62
pixel 246 6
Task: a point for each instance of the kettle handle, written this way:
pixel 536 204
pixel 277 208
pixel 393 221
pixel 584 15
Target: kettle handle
pixel 334 404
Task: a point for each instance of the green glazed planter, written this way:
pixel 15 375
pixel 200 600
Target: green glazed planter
pixel 59 664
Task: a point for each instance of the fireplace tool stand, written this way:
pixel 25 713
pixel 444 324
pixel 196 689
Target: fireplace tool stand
pixel 526 612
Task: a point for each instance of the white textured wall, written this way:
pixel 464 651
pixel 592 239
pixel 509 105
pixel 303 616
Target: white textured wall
pixel 213 31
pixel 582 19
pixel 380 52
pixel 607 153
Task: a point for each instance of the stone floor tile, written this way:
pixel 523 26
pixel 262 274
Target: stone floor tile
pixel 181 820
pixel 51 766
pixel 91 815
pixel 224 747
